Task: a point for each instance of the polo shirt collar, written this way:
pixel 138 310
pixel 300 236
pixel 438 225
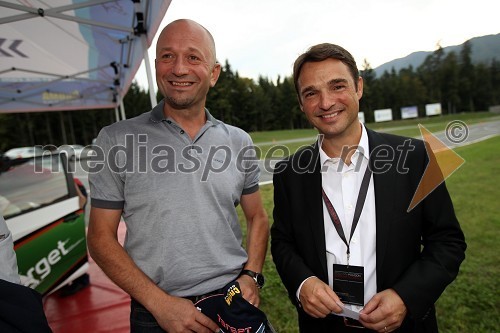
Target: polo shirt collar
pixel 158 116
pixel 210 118
pixel 157 113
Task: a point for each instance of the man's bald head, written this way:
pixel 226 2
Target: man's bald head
pixel 189 26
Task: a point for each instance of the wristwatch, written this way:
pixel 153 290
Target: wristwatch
pixel 257 277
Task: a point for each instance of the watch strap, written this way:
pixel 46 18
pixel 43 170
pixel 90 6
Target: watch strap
pixel 254 276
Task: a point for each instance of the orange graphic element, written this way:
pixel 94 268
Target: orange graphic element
pixel 443 161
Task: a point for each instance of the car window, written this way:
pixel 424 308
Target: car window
pixel 30 184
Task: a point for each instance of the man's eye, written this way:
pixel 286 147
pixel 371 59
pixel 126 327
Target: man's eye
pixel 194 58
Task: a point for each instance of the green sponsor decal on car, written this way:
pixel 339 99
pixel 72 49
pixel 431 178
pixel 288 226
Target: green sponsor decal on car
pixel 47 256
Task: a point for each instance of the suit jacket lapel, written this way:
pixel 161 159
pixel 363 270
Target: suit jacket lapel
pixel 314 204
pixel 383 185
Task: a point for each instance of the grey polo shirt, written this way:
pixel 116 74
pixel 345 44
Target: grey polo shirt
pixel 177 196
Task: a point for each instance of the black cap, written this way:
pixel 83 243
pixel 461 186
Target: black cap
pixel 233 313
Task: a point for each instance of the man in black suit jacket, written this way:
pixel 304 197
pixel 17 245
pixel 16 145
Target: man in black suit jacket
pixel 418 252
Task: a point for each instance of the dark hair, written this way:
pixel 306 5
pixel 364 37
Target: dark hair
pixel 322 52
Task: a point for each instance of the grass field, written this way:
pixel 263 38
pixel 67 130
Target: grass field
pixel 471 304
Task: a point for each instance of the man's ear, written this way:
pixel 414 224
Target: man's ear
pixel 300 103
pixel 359 92
pixel 214 76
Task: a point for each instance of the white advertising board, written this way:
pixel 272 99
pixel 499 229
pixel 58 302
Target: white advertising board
pixel 433 109
pixel 361 116
pixel 408 112
pixel 383 115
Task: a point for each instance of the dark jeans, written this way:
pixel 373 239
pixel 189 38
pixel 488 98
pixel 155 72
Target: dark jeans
pixel 141 320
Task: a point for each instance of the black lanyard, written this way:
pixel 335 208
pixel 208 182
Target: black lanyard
pixel 357 212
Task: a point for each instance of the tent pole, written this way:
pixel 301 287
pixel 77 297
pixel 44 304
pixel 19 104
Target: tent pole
pixel 147 64
pixel 117 115
pixel 122 109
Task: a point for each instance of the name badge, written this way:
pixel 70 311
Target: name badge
pixel 349 284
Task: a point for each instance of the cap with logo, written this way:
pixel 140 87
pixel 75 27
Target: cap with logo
pixel 233 313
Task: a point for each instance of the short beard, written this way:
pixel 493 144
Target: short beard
pixel 178 103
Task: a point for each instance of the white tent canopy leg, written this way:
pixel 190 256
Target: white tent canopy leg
pixel 152 95
pixel 122 109
pixel 117 115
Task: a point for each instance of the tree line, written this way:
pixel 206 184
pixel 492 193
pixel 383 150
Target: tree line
pixel 450 79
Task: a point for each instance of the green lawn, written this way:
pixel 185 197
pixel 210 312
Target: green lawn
pixel 471 304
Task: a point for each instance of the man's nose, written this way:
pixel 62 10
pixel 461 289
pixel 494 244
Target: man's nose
pixel 327 100
pixel 180 67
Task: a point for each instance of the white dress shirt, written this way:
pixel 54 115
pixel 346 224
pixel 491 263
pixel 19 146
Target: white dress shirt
pixel 341 184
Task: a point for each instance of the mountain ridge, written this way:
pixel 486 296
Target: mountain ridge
pixel 483 50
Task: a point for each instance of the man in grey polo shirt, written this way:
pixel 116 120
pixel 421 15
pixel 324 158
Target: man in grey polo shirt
pixel 175 174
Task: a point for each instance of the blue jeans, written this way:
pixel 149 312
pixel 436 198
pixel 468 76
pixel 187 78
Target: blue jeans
pixel 141 320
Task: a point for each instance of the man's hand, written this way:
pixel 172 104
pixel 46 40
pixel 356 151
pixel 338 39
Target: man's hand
pixel 318 299
pixel 384 312
pixel 249 290
pixel 180 315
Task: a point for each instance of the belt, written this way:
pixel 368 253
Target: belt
pixel 196 299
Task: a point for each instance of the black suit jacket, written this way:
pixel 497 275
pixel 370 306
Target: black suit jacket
pixel 418 252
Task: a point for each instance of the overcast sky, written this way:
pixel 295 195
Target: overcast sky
pixel 263 37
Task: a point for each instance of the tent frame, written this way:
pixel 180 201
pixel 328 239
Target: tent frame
pixel 136 34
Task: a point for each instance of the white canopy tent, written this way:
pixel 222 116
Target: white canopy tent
pixel 62 55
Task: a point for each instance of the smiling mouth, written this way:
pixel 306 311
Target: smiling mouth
pixel 181 84
pixel 331 115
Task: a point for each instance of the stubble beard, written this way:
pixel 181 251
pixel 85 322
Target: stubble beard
pixel 178 103
pixel 339 129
